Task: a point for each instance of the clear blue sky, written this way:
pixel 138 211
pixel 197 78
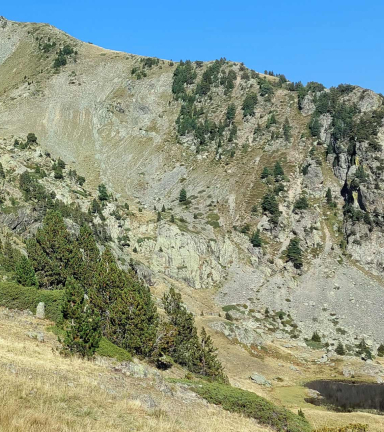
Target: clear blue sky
pixel 331 42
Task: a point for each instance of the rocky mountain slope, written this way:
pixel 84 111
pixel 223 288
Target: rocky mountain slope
pixel 147 128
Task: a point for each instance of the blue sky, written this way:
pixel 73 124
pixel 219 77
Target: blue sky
pixel 330 42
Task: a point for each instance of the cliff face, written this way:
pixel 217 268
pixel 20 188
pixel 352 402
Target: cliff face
pixel 133 124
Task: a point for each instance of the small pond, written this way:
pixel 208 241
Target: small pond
pixel 348 395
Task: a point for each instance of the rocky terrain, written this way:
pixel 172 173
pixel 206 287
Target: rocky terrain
pixel 148 128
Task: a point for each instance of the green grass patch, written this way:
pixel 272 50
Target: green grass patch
pixel 230 308
pixel 109 349
pixel 251 405
pixel 314 345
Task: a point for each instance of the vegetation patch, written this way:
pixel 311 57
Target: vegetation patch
pixel 251 405
pixel 15 296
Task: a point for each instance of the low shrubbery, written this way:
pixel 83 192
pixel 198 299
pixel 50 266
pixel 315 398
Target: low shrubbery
pixel 251 405
pixel 15 296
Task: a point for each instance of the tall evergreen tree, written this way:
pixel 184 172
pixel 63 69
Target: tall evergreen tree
pixel 25 273
pixel 183 195
pixel 294 253
pixel 231 113
pixel 2 173
pixel 82 322
pixel 278 171
pixel 210 365
pixel 54 254
pixel 90 254
pixel 287 130
pixel 265 173
pixel 256 239
pixel 103 194
pixel 186 349
pixel 128 314
pixel 329 196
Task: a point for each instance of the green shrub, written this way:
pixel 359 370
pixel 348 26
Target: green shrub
pixel 106 348
pixel 15 296
pixel 253 406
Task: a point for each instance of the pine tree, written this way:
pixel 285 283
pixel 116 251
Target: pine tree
pixel 57 172
pixel 90 254
pixel 186 349
pixel 172 219
pixel 287 130
pixel 183 195
pixel 159 216
pixel 316 337
pixel 249 104
pixel 9 256
pixel 128 314
pixel 133 319
pixel 301 204
pixel 2 173
pixel 278 171
pixel 340 349
pixel 210 364
pixel 165 341
pixel 54 254
pixel 82 323
pixel 380 350
pixel 231 113
pixel 25 273
pixel 329 196
pixel 103 194
pixel 315 127
pixel 163 209
pixel 266 173
pixel 256 239
pixel 294 253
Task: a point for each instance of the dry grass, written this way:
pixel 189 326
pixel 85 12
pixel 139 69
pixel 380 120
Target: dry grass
pixel 40 391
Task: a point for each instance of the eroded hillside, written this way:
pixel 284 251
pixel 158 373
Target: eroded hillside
pixel 282 222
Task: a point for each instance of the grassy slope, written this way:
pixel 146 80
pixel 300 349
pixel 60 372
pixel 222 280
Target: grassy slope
pixel 44 392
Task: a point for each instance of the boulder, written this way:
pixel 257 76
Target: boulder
pixel 40 310
pixel 260 379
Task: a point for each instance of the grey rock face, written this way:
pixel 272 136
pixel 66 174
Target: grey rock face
pixel 40 310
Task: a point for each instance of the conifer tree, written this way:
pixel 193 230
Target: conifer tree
pixel 82 322
pixel 2 173
pixel 9 256
pixel 159 216
pixel 340 349
pixel 25 273
pixel 183 195
pixel 265 173
pixel 380 350
pixel 103 194
pixel 329 196
pixel 90 254
pixel 186 348
pixel 163 209
pixel 133 319
pixel 231 113
pixel 287 130
pixel 128 314
pixel 278 171
pixel 256 239
pixel 294 252
pixel 54 254
pixel 210 365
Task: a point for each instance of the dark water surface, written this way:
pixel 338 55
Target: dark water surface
pixel 349 395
